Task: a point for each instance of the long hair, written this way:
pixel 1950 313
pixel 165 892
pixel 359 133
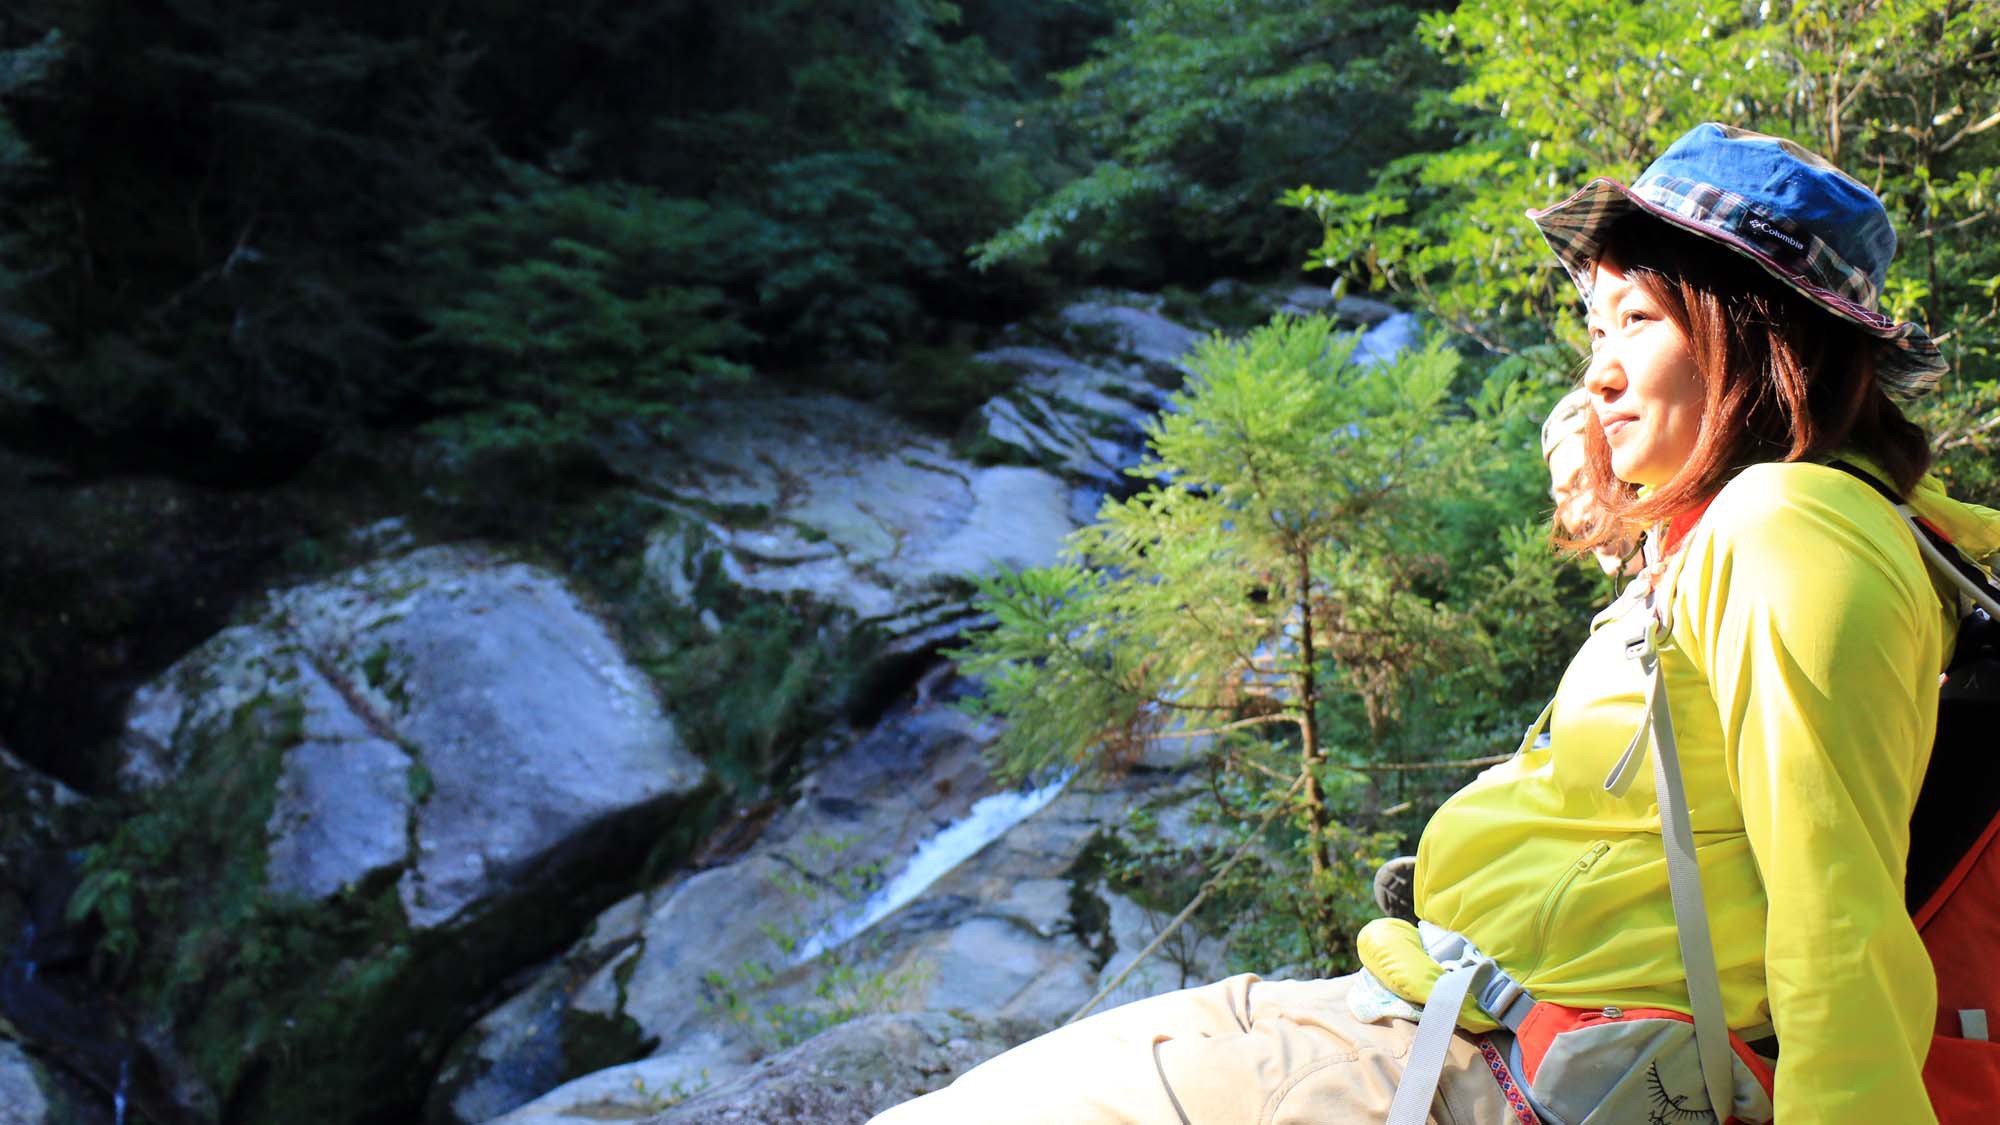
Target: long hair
pixel 1782 380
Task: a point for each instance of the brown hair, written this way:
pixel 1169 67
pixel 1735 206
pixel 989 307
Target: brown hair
pixel 1783 380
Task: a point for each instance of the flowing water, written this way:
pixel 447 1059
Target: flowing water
pixel 934 858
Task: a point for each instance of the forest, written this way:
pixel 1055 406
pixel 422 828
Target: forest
pixel 274 272
pixel 245 241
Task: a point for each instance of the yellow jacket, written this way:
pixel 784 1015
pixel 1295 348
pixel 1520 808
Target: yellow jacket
pixel 1802 674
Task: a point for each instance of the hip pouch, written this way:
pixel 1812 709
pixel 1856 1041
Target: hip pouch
pixel 1613 1066
pixel 1575 1066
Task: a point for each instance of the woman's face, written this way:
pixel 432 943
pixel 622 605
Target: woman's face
pixel 1642 381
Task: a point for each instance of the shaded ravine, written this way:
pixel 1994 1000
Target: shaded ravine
pixel 45 990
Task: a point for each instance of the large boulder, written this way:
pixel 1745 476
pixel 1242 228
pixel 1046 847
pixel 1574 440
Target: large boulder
pixel 404 782
pixel 816 495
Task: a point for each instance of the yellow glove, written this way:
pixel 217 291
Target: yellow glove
pixel 1394 952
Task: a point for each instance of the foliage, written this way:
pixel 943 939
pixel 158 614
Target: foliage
pixel 1315 580
pixel 937 387
pixel 558 311
pixel 872 140
pixel 211 194
pixel 841 991
pixel 1195 116
pixel 1556 91
pixel 257 232
pixel 250 983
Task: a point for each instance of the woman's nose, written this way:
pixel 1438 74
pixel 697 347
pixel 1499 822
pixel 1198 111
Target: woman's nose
pixel 1602 375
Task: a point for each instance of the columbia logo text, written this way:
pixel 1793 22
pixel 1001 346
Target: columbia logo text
pixel 1762 227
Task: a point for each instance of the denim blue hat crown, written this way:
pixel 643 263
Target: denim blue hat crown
pixel 1804 221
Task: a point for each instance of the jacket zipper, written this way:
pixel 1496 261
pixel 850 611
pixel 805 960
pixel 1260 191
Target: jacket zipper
pixel 1546 916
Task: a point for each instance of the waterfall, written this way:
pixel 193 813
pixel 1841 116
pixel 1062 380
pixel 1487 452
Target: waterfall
pixel 934 858
pixel 1380 344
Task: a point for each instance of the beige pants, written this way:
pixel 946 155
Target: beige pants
pixel 1242 1050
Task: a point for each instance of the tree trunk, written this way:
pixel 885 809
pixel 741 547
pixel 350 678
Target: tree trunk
pixel 1309 751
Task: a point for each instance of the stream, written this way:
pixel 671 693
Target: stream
pixel 936 855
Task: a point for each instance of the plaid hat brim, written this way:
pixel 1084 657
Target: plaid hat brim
pixel 1908 364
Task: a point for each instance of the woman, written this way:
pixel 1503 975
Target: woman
pixel 1789 631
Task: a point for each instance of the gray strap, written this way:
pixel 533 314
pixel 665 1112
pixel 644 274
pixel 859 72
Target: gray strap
pixel 1424 1065
pixel 1704 983
pixel 1535 730
pixel 1627 766
pixel 1941 565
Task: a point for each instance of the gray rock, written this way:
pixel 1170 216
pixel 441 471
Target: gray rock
pixel 449 697
pixel 1086 420
pixel 448 733
pixel 22 1101
pixel 852 1072
pixel 817 495
pixel 1139 332
pixel 343 805
pixel 33 1094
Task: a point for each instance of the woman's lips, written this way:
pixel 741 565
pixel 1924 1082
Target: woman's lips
pixel 1613 424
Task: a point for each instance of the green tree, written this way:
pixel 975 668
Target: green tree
pixel 213 189
pixel 22 71
pixel 1193 117
pixel 1321 560
pixel 560 311
pixel 1903 94
pixel 878 139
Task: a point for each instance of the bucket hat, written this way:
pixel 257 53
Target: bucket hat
pixel 1804 221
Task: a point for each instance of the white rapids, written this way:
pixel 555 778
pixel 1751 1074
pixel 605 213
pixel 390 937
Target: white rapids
pixel 934 858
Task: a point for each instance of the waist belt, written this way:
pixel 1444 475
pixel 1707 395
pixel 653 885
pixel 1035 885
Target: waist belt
pixel 1494 990
pixel 1469 974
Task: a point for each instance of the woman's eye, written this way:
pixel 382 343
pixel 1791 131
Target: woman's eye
pixel 1633 316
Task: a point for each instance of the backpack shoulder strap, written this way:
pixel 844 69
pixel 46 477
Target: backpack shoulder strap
pixel 1704 981
pixel 1937 549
